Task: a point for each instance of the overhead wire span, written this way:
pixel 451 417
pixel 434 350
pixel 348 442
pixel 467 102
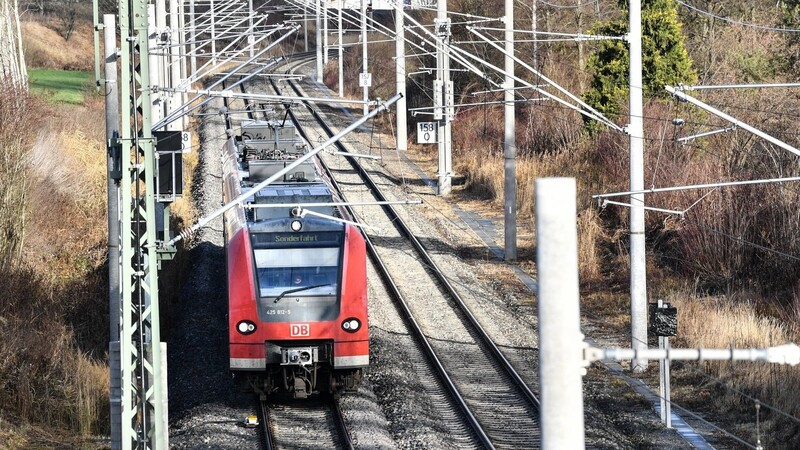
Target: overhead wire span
pixel 737 22
pixel 558 6
pixel 744 241
pixel 677 92
pixel 588 111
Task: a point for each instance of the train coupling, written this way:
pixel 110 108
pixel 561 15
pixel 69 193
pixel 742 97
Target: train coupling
pixel 299 356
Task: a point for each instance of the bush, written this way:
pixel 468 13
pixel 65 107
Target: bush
pixel 664 58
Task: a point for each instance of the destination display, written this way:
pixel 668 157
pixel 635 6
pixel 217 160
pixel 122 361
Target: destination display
pixel 295 240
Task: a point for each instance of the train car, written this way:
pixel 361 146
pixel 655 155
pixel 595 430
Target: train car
pixel 297 290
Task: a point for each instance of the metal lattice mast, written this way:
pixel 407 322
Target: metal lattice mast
pixel 142 418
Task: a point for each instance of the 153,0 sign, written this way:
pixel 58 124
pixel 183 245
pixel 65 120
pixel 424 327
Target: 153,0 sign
pixel 426 132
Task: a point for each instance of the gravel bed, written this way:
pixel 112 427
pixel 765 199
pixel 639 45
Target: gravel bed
pixel 492 397
pixel 397 405
pixel 614 416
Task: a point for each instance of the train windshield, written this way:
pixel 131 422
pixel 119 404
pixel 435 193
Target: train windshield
pixel 298 275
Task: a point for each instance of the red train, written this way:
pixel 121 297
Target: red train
pixel 297 286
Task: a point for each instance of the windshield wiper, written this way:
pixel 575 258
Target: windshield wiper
pixel 304 288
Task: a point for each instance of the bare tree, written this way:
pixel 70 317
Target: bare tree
pixel 12 61
pixel 68 12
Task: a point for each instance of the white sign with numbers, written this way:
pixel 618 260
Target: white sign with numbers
pixel 186 142
pixel 426 132
pixel 365 80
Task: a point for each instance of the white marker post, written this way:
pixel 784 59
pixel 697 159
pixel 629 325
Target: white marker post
pixel 560 338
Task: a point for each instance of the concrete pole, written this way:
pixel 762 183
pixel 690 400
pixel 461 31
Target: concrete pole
pixel 560 338
pixel 161 58
pixel 442 93
pixel 305 27
pixel 510 142
pixel 182 55
pixel 580 47
pixel 213 33
pixel 318 10
pixel 251 38
pixel 114 263
pixel 534 27
pixel 325 43
pixel 193 37
pixel 636 131
pixel 174 62
pixel 156 109
pixel 341 52
pixel 364 51
pixel 400 75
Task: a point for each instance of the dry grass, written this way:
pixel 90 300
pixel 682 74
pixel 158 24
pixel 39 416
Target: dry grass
pixel 46 48
pixel 53 314
pixel 723 322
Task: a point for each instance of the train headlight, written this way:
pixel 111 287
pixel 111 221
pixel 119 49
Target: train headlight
pixel 296 225
pixel 351 325
pixel 246 327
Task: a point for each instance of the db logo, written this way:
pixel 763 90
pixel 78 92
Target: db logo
pixel 299 329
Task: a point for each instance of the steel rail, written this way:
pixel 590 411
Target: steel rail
pixel 264 434
pixel 407 315
pixel 346 440
pixel 405 231
pixel 344 434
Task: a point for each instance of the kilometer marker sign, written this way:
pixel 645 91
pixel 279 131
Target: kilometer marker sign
pixel 426 132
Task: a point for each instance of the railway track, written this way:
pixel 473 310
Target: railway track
pixel 492 398
pixel 310 424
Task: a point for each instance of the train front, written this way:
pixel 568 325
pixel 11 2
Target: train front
pixel 298 305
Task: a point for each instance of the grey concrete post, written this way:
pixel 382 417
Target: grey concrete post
pixel 174 62
pixel 325 45
pixel 193 37
pixel 443 96
pixel 400 75
pixel 112 132
pixel 560 338
pixel 636 131
pixel 251 38
pixel 213 33
pixel 510 141
pixel 341 51
pixel 305 27
pixel 156 108
pixel 364 59
pixel 318 10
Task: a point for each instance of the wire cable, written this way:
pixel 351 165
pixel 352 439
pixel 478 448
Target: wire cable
pixel 738 22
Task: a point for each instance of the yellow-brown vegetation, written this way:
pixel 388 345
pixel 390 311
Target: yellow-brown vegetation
pixel 44 47
pixel 723 322
pixel 53 311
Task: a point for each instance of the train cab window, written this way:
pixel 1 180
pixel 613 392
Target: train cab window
pixel 282 269
pixel 298 283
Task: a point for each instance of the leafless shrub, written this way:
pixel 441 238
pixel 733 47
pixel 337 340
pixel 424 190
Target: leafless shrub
pixel 14 182
pixel 737 321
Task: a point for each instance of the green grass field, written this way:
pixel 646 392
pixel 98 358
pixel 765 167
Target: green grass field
pixel 60 86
